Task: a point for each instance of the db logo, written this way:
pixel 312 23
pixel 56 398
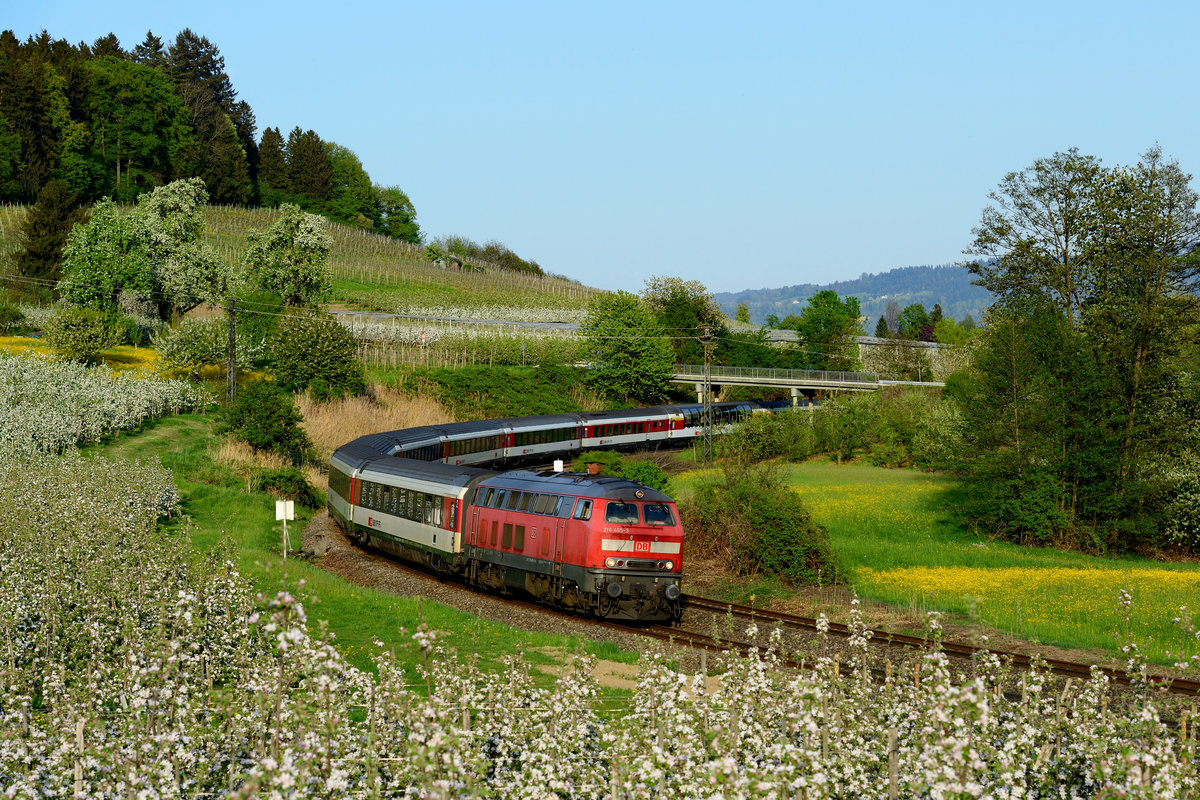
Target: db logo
pixel 372 522
pixel 641 547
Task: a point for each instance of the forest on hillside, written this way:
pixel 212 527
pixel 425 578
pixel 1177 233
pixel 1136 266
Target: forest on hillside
pixel 88 122
pixel 948 285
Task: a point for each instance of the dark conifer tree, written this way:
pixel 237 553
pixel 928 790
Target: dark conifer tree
pixel 309 171
pixel 194 59
pixel 198 71
pixel 26 109
pixel 150 52
pixel 247 131
pixel 881 328
pixel 44 232
pixel 273 183
pixel 108 45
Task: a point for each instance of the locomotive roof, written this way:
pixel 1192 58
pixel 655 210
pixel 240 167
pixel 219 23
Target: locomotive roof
pixel 575 483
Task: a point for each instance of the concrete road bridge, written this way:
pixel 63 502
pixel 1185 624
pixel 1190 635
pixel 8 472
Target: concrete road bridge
pixel 802 382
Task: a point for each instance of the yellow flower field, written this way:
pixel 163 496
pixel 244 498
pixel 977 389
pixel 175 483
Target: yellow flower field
pixel 141 360
pixel 1069 604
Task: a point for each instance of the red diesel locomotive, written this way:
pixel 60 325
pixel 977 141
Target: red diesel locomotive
pixel 596 544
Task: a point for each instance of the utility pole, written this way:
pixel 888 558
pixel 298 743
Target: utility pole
pixel 707 340
pixel 232 389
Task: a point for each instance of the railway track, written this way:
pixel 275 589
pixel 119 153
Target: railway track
pixel 698 611
pixel 958 650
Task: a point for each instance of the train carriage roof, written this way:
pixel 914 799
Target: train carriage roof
pixel 435 471
pixel 540 422
pixel 575 483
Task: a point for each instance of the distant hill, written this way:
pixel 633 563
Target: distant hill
pixel 948 284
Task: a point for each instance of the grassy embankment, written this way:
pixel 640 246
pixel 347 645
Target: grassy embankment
pixel 218 506
pixel 897 540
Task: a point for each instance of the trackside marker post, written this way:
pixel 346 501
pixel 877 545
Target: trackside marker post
pixel 285 510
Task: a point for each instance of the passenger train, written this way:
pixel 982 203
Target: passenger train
pixel 454 498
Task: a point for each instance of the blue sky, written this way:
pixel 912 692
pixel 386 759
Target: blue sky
pixel 742 145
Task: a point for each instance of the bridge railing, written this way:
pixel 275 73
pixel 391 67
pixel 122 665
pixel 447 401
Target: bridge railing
pixel 772 374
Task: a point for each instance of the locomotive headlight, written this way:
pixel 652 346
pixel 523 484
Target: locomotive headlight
pixel 670 565
pixel 610 562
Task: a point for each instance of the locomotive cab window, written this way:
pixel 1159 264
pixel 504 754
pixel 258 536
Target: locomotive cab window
pixel 583 510
pixel 658 514
pixel 622 513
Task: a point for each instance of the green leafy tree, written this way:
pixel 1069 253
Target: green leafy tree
pixel 45 229
pixel 947 331
pixel 314 351
pixel 139 125
pixel 103 258
pixel 742 314
pixel 1035 237
pixel 397 215
pixel 155 252
pixel 631 359
pixel 827 326
pixel 686 311
pixel 186 270
pixel 1113 250
pixel 290 259
pixel 913 321
pixel 353 198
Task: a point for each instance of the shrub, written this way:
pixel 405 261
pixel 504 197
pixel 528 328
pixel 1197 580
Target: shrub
pixel 755 524
pixel 288 483
pixel 196 343
pixel 11 318
pixel 308 347
pixel 264 416
pixel 79 334
pixel 642 471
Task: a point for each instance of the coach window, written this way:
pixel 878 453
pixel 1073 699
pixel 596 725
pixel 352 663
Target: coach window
pixel 621 513
pixel 583 509
pixel 506 541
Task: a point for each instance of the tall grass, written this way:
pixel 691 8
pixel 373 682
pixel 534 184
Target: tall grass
pixel 333 423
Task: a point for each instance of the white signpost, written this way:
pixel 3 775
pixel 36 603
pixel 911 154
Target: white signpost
pixel 285 510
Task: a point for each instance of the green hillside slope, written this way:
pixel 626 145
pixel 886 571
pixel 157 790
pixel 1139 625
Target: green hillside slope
pixel 375 273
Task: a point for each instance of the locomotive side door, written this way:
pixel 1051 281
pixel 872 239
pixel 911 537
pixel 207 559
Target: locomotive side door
pixel 560 536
